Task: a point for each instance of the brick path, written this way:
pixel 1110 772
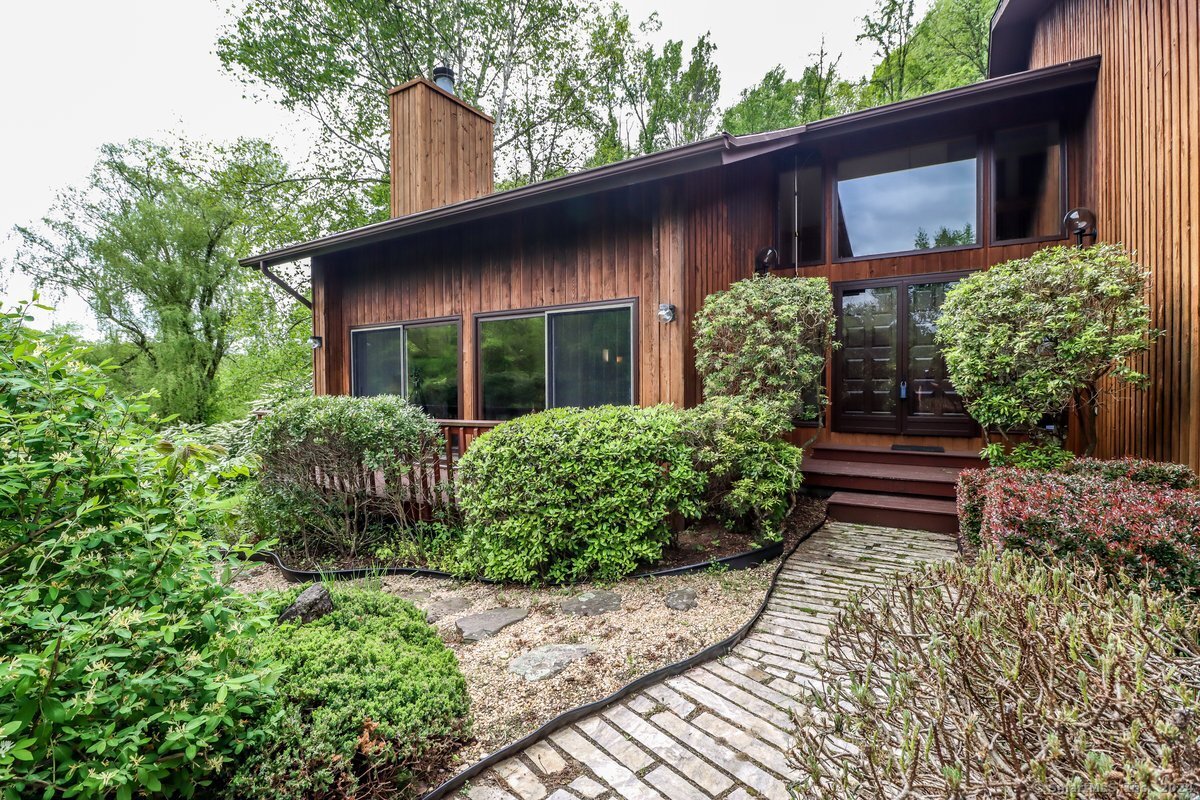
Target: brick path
pixel 722 729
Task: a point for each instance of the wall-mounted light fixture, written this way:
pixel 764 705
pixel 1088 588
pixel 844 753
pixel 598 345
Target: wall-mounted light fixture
pixel 666 312
pixel 1081 222
pixel 766 260
pixel 315 342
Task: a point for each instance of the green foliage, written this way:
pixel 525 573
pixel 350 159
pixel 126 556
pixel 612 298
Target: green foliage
pixel 1005 678
pixel 572 493
pixel 765 339
pixel 1037 454
pixel 779 102
pixel 369 699
pixel 753 474
pixel 151 244
pixel 120 666
pixel 317 491
pixel 1162 474
pixel 1034 336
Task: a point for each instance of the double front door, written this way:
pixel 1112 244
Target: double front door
pixel 888 375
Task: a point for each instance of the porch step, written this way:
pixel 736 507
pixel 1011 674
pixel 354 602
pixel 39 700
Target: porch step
pixel 894 511
pixel 962 459
pixel 887 478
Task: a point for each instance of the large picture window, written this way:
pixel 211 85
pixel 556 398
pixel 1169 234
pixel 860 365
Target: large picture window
pixel 418 361
pixel 1028 183
pixel 548 359
pixel 913 198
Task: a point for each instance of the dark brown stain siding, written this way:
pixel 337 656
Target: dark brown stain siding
pixel 1142 138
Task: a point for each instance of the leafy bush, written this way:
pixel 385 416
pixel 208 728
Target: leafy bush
pixel 318 491
pixel 1139 470
pixel 1034 336
pixel 765 338
pixel 752 472
pixel 369 698
pixel 1140 528
pixel 1034 454
pixel 1006 678
pixel 568 493
pixel 120 670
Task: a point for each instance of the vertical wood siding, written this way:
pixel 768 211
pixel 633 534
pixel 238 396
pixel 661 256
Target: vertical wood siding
pixel 441 149
pixel 1142 137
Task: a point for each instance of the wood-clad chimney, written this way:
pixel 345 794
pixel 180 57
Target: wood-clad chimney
pixel 441 147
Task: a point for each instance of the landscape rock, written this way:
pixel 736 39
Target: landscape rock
pixel 489 623
pixel 445 607
pixel 548 660
pixel 682 599
pixel 313 603
pixel 592 604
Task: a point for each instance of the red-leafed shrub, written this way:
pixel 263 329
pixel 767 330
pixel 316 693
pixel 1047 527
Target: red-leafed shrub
pixel 1142 528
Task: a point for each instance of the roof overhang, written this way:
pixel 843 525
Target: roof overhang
pixel 1012 35
pixel 714 152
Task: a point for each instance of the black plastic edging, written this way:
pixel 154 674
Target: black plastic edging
pixel 569 717
pixel 745 560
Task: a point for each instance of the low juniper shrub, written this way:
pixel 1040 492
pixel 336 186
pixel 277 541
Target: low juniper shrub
pixel 571 493
pixel 370 700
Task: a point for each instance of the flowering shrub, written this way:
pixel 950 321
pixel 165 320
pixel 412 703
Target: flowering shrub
pixel 1005 678
pixel 1140 527
pixel 1139 470
pixel 121 648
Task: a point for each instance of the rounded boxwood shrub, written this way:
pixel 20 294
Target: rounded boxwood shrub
pixel 369 700
pixel 571 493
pixel 121 649
pixel 318 494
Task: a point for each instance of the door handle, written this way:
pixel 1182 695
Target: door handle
pixel 903 390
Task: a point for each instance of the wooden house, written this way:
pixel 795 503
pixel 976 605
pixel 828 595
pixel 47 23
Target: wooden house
pixel 483 305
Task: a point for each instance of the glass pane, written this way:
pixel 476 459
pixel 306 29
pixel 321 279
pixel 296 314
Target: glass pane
pixel 868 384
pixel 914 198
pixel 800 233
pixel 1028 182
pixel 591 353
pixel 433 369
pixel 378 361
pixel 930 392
pixel 512 366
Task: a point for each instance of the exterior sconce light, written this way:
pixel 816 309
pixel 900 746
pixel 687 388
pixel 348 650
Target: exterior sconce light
pixel 1081 222
pixel 766 260
pixel 315 342
pixel 666 312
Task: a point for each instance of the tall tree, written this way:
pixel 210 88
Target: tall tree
pixel 890 29
pixel 151 243
pixel 519 60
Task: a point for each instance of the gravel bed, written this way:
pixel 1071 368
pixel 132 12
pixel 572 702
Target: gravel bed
pixel 639 637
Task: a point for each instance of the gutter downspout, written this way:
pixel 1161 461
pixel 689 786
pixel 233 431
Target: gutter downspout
pixel 278 281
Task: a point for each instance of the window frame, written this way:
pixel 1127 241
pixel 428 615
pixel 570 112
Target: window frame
pixel 793 165
pixel 982 192
pixel 545 312
pixel 403 327
pixel 1063 186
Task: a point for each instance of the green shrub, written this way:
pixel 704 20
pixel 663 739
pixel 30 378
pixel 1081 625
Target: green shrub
pixel 318 491
pixel 570 493
pixel 752 473
pixel 1033 337
pixel 369 699
pixel 1034 454
pixel 765 338
pixel 1005 678
pixel 120 666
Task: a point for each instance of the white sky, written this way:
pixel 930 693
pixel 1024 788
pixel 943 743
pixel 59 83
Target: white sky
pixel 80 73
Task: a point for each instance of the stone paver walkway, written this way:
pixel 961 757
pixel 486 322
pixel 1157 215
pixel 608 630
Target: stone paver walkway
pixel 722 729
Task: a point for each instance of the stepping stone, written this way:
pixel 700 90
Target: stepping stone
pixel 548 660
pixel 445 607
pixel 489 623
pixel 416 598
pixel 682 599
pixel 592 604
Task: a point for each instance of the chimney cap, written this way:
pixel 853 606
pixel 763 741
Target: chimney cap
pixel 443 76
